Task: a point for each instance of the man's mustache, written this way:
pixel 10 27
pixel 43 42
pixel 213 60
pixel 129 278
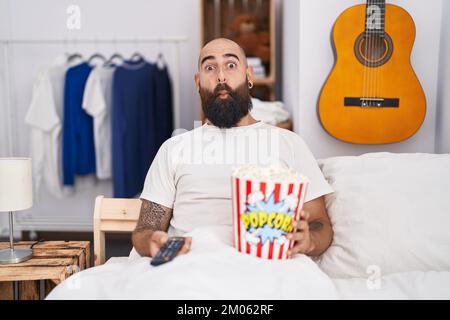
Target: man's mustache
pixel 221 87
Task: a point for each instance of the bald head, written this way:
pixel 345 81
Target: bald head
pixel 223 62
pixel 221 47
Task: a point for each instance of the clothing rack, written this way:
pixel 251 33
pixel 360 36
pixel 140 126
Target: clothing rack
pixel 7 43
pixel 93 40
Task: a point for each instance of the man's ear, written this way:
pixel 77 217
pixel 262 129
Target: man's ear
pixel 250 74
pixel 197 81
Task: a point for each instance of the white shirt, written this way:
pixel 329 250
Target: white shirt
pixel 97 101
pixel 191 172
pixel 44 118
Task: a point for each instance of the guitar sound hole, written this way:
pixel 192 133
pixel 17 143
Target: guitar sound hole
pixel 373 50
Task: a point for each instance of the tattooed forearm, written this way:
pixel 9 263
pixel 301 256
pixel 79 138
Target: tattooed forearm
pixel 153 216
pixel 315 226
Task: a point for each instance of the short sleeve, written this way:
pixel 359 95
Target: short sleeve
pixel 93 99
pixel 159 185
pixel 304 162
pixel 42 111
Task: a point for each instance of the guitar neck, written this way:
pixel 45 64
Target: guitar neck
pixel 375 16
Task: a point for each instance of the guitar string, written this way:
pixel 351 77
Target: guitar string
pixel 365 39
pixel 370 53
pixel 379 49
pixel 371 46
pixel 372 49
pixel 375 51
pixel 359 52
pixel 383 39
pixel 367 55
pixel 382 48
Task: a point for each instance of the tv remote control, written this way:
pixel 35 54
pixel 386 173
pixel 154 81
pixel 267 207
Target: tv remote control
pixel 168 251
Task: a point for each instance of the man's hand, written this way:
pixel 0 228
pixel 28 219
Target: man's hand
pixel 312 233
pixel 301 235
pixel 158 238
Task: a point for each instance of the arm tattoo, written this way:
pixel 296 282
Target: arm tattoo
pixel 153 216
pixel 315 226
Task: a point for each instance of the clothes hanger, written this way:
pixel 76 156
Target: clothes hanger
pixel 71 57
pixel 160 61
pixel 97 55
pixel 114 56
pixel 137 56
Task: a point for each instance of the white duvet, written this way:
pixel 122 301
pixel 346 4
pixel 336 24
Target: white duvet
pixel 213 269
pixel 417 285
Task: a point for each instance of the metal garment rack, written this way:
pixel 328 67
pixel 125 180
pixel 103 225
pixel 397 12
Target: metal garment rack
pixel 7 43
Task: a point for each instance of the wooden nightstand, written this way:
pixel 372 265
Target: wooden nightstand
pixel 52 262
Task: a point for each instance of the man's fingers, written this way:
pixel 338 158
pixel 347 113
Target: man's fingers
pixel 300 234
pixel 298 248
pixel 297 236
pixel 302 225
pixel 162 239
pixel 154 248
pixel 304 215
pixel 187 246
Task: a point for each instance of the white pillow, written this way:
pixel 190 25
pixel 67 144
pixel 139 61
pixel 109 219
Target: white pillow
pixel 390 213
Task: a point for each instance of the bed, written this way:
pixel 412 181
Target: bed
pixel 390 215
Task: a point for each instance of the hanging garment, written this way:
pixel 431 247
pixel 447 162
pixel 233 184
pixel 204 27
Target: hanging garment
pixel 97 103
pixel 139 125
pixel 163 104
pixel 78 134
pixel 44 116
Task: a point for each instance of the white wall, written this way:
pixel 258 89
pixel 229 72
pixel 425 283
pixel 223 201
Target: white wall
pixel 4 32
pixel 443 115
pixel 101 19
pixel 308 41
pixel 289 56
pixel 306 59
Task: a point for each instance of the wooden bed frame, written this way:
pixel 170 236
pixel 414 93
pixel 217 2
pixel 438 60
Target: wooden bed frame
pixel 112 215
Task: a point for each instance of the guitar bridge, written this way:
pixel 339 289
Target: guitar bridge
pixel 371 102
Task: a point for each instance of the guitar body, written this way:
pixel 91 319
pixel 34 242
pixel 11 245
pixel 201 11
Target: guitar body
pixel 383 74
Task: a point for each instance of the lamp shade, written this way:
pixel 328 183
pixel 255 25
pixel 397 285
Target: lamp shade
pixel 16 189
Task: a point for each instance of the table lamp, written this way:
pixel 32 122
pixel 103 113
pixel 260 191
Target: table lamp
pixel 16 193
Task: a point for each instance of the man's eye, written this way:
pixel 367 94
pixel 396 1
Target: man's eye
pixel 209 68
pixel 232 65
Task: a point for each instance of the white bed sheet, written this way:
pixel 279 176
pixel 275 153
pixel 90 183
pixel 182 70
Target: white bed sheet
pixel 215 270
pixel 406 285
pixel 212 270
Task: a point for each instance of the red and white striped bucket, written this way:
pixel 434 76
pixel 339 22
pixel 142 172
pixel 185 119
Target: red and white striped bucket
pixel 260 217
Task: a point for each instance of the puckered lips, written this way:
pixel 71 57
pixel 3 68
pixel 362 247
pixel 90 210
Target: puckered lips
pixel 223 94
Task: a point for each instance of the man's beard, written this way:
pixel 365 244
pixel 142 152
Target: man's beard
pixel 226 113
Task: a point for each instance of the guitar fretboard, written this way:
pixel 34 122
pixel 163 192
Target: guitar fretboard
pixel 375 16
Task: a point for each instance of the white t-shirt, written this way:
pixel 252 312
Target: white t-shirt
pixel 191 172
pixel 44 118
pixel 97 102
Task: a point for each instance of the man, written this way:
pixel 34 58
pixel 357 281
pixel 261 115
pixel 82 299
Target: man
pixel 188 183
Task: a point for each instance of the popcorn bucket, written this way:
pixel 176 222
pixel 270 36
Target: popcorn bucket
pixel 263 210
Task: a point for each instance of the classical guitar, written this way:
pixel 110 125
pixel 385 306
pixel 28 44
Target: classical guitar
pixel 372 95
